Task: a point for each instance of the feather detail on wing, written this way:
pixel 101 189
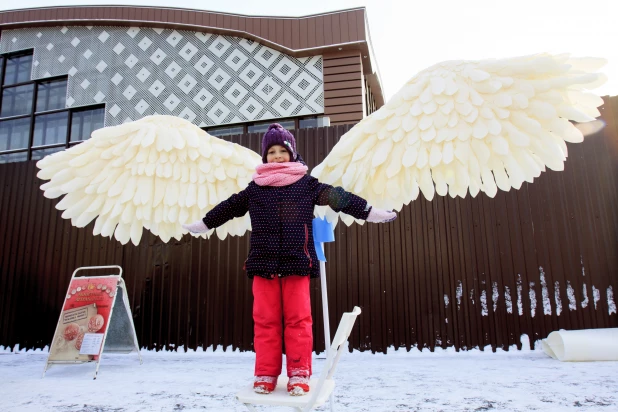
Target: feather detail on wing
pixel 154 173
pixel 467 126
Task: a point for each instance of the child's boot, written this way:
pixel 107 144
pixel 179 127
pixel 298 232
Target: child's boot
pixel 298 385
pixel 264 384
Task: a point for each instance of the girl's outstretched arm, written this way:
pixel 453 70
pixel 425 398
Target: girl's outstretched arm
pixel 236 205
pixel 341 201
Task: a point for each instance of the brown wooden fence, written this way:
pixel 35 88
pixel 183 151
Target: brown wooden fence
pixel 451 272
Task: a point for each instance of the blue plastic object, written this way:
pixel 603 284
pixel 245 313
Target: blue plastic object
pixel 322 232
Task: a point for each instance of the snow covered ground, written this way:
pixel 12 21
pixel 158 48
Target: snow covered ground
pixel 399 381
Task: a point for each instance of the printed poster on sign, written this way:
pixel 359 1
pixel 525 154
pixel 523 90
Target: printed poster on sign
pixel 85 317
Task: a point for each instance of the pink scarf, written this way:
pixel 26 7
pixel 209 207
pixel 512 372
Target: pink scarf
pixel 279 174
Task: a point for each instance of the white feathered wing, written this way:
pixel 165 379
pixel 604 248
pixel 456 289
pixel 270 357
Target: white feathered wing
pixel 467 126
pixel 154 173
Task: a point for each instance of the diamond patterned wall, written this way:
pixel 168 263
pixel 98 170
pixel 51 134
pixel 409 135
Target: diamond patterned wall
pixel 205 78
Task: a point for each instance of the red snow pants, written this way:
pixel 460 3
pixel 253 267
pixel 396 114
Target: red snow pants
pixel 282 308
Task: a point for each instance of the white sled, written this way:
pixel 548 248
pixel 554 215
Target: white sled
pixel 321 388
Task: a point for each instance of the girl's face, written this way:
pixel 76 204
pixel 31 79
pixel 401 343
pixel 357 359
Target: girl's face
pixel 277 154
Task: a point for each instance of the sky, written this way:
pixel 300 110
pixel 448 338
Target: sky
pixel 410 35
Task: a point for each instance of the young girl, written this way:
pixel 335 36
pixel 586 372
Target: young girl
pixel 280 201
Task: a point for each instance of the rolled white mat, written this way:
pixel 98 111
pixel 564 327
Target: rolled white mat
pixel 582 345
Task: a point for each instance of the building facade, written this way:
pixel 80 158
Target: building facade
pixel 67 71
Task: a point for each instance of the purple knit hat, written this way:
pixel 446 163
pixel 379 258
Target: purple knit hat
pixel 276 134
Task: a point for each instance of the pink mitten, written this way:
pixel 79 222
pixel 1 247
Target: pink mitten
pixel 196 227
pixel 380 216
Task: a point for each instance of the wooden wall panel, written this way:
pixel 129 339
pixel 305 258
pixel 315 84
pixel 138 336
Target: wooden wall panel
pixel 304 32
pixel 343 78
pixel 339 33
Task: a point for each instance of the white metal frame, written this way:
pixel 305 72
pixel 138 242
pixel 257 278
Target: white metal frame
pixel 120 285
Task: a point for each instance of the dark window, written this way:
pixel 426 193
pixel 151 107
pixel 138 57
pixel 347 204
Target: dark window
pixel 50 129
pixel 263 127
pixel 218 112
pixel 19 138
pixel 250 108
pixel 219 46
pixel 18 69
pixel 14 133
pixel 14 157
pixel 250 74
pixel 267 89
pixel 236 59
pixel 223 131
pixel 267 55
pixel 285 69
pixel 218 78
pixel 303 84
pixel 41 153
pixel 235 93
pixel 51 95
pixel 307 123
pixel 17 100
pixel 84 122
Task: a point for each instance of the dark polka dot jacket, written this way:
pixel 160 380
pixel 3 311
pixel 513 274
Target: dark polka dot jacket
pixel 281 222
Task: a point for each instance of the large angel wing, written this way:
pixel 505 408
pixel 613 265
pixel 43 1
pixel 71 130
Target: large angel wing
pixel 467 126
pixel 154 173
